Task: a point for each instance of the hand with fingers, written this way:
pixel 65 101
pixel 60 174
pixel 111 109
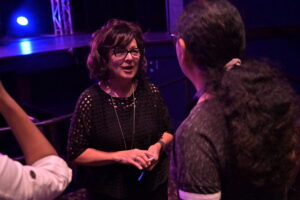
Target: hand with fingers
pixel 155 151
pixel 138 158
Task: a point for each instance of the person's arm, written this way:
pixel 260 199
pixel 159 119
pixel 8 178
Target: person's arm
pixel 198 173
pixel 200 153
pixel 48 174
pixel 32 142
pixel 194 196
pixel 158 147
pixel 136 157
pixel 163 119
pixel 164 141
pixel 45 179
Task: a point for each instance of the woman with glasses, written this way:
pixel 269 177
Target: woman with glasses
pixel 120 127
pixel 240 141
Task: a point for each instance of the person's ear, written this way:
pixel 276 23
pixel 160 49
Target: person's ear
pixel 184 55
pixel 180 49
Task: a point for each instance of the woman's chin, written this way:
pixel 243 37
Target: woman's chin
pixel 128 75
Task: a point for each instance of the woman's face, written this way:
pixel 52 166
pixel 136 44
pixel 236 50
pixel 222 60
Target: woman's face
pixel 123 63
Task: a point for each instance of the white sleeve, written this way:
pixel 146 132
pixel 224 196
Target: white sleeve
pixel 193 196
pixel 45 179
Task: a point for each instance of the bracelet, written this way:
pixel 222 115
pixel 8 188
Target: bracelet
pixel 162 144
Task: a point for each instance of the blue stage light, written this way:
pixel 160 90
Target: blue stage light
pixel 22 24
pixel 23 21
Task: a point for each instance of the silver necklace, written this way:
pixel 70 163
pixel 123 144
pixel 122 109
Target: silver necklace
pixel 133 124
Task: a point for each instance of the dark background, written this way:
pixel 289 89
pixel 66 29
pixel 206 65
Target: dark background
pixel 88 15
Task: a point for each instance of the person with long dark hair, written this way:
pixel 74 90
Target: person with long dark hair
pixel 121 126
pixel 240 140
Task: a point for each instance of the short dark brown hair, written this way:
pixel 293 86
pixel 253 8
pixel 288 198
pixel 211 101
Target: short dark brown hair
pixel 115 33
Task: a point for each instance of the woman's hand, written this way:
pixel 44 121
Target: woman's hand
pixel 155 150
pixel 138 158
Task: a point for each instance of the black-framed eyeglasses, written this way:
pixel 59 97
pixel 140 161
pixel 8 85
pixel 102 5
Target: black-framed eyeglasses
pixel 175 37
pixel 122 53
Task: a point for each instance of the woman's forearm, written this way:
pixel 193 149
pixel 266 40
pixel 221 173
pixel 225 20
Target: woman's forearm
pixel 165 139
pixel 93 157
pixel 136 157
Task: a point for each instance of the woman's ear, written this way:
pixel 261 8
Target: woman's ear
pixel 184 58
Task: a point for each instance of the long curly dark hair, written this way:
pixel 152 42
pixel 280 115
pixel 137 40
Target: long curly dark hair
pixel 115 33
pixel 260 107
pixel 261 110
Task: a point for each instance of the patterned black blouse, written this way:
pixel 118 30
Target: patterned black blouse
pixel 95 125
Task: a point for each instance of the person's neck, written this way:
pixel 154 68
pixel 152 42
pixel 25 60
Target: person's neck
pixel 198 78
pixel 120 88
pixel 205 96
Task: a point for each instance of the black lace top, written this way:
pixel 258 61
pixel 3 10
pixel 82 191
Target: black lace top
pixel 95 125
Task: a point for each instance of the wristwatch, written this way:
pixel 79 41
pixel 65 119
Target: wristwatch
pixel 162 144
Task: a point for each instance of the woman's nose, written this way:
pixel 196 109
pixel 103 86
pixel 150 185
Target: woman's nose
pixel 129 56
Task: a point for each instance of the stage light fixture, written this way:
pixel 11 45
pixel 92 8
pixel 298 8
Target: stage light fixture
pixel 22 24
pixel 21 20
